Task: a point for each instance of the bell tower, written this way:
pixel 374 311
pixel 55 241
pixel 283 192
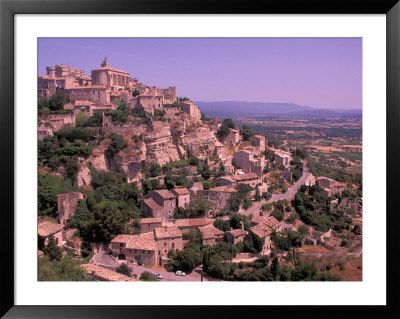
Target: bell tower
pixel 105 63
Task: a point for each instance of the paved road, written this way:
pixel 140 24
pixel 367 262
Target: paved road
pixel 105 259
pixel 275 197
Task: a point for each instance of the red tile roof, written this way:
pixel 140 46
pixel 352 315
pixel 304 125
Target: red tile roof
pixel 167 232
pixel 180 191
pixel 165 194
pixel 144 241
pixel 151 220
pixel 152 204
pixel 209 231
pixel 193 222
pixel 47 228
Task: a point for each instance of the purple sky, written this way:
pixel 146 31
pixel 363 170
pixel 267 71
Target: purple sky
pixel 317 72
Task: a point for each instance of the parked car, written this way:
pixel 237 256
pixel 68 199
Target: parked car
pixel 157 275
pixel 180 273
pixel 134 276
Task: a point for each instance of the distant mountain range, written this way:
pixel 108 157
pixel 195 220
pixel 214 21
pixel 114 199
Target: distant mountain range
pixel 238 108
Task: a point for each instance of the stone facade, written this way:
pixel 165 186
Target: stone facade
pixel 233 137
pixel 182 196
pixel 258 141
pixel 249 161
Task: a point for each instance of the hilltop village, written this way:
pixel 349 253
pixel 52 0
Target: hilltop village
pixel 136 183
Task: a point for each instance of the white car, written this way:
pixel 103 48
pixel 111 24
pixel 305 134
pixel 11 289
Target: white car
pixel 157 275
pixel 180 273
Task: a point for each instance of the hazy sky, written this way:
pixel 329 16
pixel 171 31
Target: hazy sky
pixel 317 72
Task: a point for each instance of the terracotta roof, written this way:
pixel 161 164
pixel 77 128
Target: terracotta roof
pixel 166 194
pixel 193 222
pixel 121 239
pixel 259 136
pixel 143 241
pixel 150 220
pixel 210 231
pixel 262 230
pixel 47 228
pixel 44 128
pixel 105 274
pixel 270 221
pixel 152 204
pixel 237 232
pixel 241 177
pixel 167 232
pixel 181 191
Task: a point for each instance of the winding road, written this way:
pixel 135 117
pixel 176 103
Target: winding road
pixel 275 197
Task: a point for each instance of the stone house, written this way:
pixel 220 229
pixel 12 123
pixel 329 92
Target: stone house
pixel 66 204
pixel 168 238
pixel 330 186
pixel 280 157
pixel 235 236
pixel 264 231
pixel 44 131
pixel 47 229
pixel 149 224
pixel 233 137
pixel 140 248
pixel 191 109
pixel 211 235
pixel 249 161
pixel 182 196
pixel 258 141
pixel 251 179
pixel 161 204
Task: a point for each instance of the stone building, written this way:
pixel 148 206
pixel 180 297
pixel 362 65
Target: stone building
pixel 263 231
pixel 211 235
pixel 149 224
pixel 330 186
pixel 233 137
pixel 103 274
pixel 59 78
pixel 251 179
pixel 140 248
pixel 66 204
pixel 280 157
pixel 182 196
pixel 235 236
pixel 249 161
pixel 258 141
pixel 219 196
pixel 44 131
pixel 109 77
pixel 161 204
pixel 47 229
pixel 191 109
pixel 285 176
pixel 168 238
pixel 94 93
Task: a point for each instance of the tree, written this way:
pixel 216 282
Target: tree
pixel 65 269
pixel 257 196
pixel 223 132
pixel 146 276
pixel 43 102
pixel 246 132
pixel 52 250
pixel 80 119
pixel 135 93
pixel 228 122
pixel 124 269
pixel 117 143
pixel 223 225
pixel 57 101
pixel 186 260
pixel 357 229
pixel 278 214
pixel 275 268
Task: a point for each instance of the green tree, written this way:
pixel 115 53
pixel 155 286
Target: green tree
pixel 228 122
pixel 117 143
pixel 186 260
pixel 57 101
pixel 135 93
pixel 124 269
pixel 52 250
pixel 65 269
pixel 80 119
pixel 246 132
pixel 223 131
pixel 278 214
pixel 357 229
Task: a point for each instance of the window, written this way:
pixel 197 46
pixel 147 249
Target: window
pixel 173 245
pixel 165 244
pixel 121 245
pixel 148 252
pixel 143 251
pixel 130 250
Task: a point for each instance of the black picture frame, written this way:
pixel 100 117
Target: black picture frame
pixel 8 9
